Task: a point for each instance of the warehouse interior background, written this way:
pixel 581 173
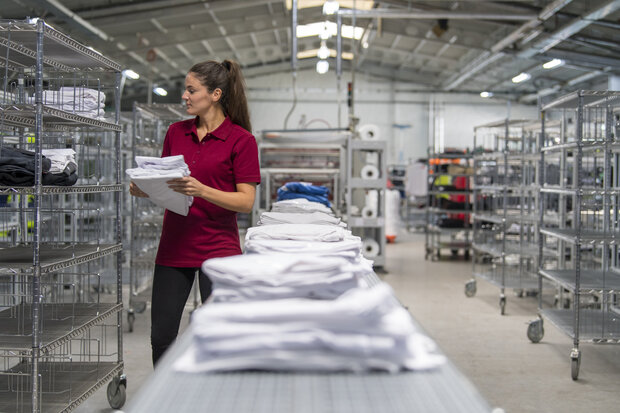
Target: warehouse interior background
pixel 427 76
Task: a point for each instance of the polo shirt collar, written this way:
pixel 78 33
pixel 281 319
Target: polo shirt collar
pixel 222 132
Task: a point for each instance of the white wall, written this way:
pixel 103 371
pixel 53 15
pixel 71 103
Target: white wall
pixel 400 110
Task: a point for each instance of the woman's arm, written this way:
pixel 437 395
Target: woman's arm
pixel 240 201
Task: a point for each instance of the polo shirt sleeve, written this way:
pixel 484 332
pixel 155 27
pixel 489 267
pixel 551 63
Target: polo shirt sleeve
pixel 245 163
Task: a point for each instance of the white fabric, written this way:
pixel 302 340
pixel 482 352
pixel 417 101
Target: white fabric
pixel 361 330
pixel 350 247
pixel 299 205
pixel 151 176
pixel 80 100
pixel 263 276
pixel 302 232
pixel 60 158
pixel 319 218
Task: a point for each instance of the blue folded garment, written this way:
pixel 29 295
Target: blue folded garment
pixel 314 193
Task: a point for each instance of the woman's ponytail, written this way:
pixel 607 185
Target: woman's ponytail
pixel 228 77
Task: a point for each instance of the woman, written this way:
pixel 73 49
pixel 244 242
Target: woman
pixel 222 156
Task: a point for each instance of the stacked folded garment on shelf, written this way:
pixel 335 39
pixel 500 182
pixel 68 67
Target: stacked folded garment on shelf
pixel 299 205
pixel 349 248
pixel 151 176
pixel 319 218
pixel 314 193
pixel 262 276
pixel 17 168
pixel 79 100
pixel 298 232
pixel 363 329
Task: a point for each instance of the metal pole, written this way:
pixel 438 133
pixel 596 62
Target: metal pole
pixel 117 199
pixel 339 64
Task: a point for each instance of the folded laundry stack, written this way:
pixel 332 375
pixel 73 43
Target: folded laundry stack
pixel 63 169
pixel 263 277
pixel 17 168
pixel 299 205
pixel 349 248
pixel 151 176
pixel 319 218
pixel 314 193
pixel 298 232
pixel 81 101
pixel 363 329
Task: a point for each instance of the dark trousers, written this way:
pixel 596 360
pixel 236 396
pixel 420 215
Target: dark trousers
pixel 171 288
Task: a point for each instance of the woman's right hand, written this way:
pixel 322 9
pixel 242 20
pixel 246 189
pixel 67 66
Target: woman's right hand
pixel 135 191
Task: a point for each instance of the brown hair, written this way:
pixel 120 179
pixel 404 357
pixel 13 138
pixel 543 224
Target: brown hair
pixel 228 78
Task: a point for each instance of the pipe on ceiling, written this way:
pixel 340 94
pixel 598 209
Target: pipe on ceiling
pixel 432 15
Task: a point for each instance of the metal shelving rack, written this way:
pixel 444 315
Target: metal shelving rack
pixel 310 155
pixel 150 124
pixel 359 190
pixel 442 230
pixel 505 219
pixel 585 196
pixel 60 338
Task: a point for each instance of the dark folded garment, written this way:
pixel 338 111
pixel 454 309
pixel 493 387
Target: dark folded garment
pixel 17 169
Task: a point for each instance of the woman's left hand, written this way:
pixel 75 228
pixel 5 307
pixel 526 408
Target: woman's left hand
pixel 187 186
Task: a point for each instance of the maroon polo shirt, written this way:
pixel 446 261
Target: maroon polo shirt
pixel 225 157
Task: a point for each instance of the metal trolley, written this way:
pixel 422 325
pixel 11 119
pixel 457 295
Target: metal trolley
pixel 505 219
pixel 585 195
pixel 150 123
pixel 61 337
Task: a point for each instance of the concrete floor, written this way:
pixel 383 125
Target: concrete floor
pixel 492 350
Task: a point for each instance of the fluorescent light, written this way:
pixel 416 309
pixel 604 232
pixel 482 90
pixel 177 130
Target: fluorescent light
pixel 160 91
pixel 521 77
pixel 304 4
pixel 486 94
pixel 330 7
pixel 322 66
pixel 323 52
pixel 306 54
pixel 328 28
pixel 131 74
pixel 553 63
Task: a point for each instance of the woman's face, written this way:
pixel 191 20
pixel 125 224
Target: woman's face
pixel 197 98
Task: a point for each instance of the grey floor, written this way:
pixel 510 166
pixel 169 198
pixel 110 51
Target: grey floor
pixel 492 350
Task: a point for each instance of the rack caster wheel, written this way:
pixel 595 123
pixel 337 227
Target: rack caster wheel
pixel 117 392
pixel 131 318
pixel 575 363
pixel 535 330
pixel 502 304
pixel 470 288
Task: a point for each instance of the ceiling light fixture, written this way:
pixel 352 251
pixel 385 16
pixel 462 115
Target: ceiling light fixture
pixel 521 77
pixel 553 63
pixel 160 91
pixel 486 94
pixel 323 52
pixel 330 7
pixel 322 66
pixel 131 74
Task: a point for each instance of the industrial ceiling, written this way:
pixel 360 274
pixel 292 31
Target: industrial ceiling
pixel 445 46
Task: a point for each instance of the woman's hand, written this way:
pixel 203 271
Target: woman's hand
pixel 187 185
pixel 135 191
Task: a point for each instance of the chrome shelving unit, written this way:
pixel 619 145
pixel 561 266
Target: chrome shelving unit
pixel 449 205
pixel 61 337
pixel 505 219
pixel 584 194
pixel 149 127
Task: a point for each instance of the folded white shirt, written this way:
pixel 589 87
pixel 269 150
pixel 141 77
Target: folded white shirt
pixel 302 232
pixel 151 177
pixel 362 329
pixel 319 218
pixel 299 205
pixel 60 158
pixel 350 247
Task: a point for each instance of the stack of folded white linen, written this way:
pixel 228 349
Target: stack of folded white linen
pixel 61 159
pixel 298 232
pixel 79 100
pixel 252 277
pixel 151 176
pixel 299 205
pixel 319 218
pixel 363 329
pixel 349 248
